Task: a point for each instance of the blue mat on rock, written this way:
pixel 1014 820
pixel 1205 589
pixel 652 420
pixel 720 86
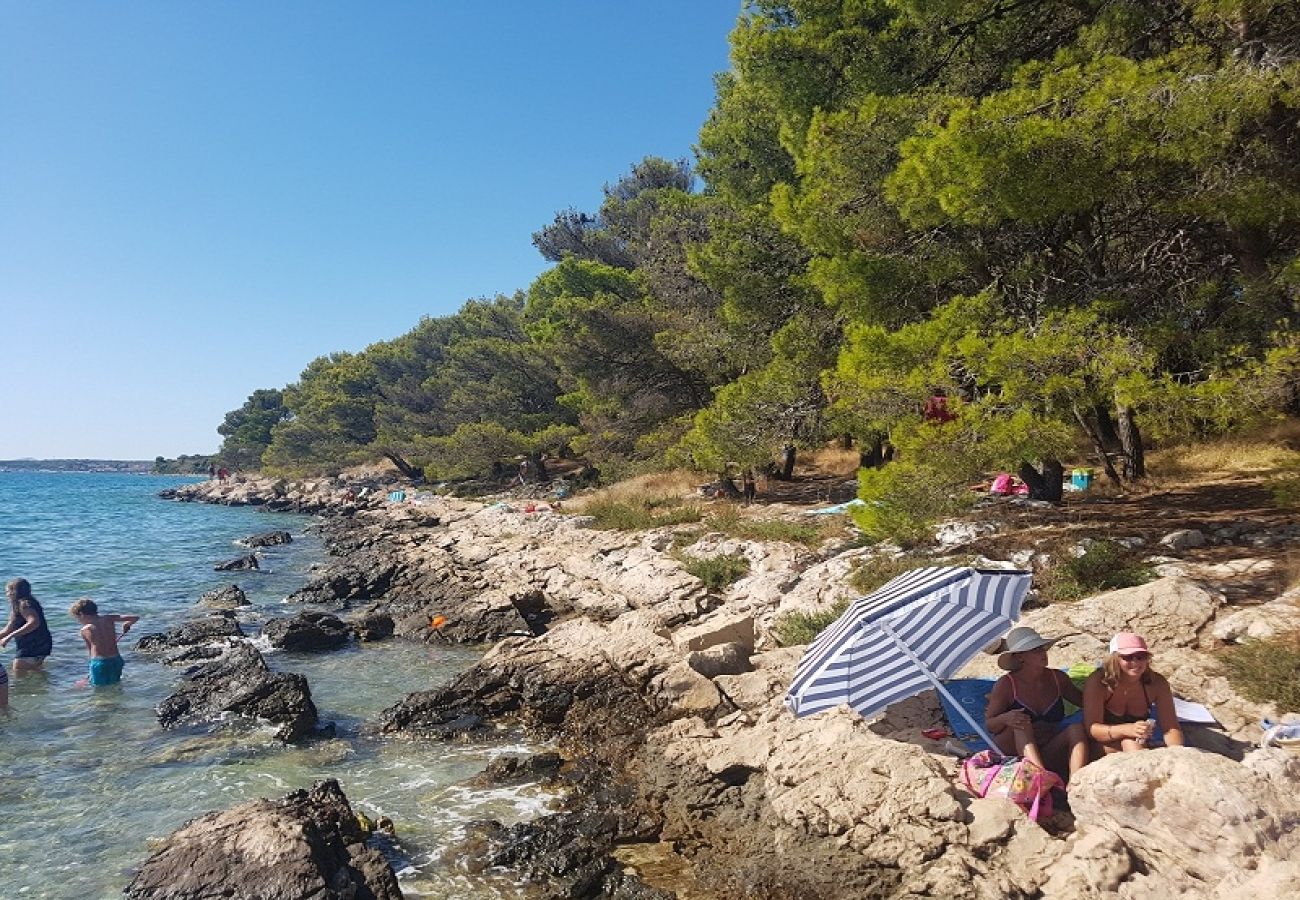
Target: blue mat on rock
pixel 973 695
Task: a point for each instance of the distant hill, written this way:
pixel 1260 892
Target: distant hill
pixel 76 465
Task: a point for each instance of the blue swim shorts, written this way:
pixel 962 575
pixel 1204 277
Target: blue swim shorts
pixel 106 670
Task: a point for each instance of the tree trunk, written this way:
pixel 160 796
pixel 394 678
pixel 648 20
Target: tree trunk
pixel 539 467
pixel 1130 440
pixel 1106 426
pixel 874 457
pixel 787 462
pixel 403 466
pixel 1045 485
pixel 1098 446
pixel 729 486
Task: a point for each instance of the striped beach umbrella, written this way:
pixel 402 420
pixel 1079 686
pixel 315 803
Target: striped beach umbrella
pixel 919 628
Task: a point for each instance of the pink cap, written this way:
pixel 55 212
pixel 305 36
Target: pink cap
pixel 1127 642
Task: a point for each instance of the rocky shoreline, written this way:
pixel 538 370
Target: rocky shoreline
pixel 664 700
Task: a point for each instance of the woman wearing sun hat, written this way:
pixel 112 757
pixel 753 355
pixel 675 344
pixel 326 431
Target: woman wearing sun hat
pixel 1125 699
pixel 1027 705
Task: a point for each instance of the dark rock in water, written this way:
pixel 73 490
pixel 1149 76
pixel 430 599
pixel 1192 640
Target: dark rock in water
pixel 231 596
pixel 200 653
pixel 215 627
pixel 569 854
pixel 307 632
pixel 268 539
pixel 373 626
pixel 306 846
pixel 362 577
pixel 507 770
pixel 247 561
pixel 240 682
pixel 529 682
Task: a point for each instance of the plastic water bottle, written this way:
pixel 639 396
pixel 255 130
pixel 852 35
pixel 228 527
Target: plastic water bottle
pixel 1151 730
pixel 956 748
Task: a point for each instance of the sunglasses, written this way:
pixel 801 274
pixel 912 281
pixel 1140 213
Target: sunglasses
pixel 1136 657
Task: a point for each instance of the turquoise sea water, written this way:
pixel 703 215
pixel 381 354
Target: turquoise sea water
pixel 89 781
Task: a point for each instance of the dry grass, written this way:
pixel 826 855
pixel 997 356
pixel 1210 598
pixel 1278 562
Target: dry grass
pixel 1266 671
pixel 831 459
pixel 1288 570
pixel 1264 452
pixel 654 489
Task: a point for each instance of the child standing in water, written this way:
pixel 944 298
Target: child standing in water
pixel 99 631
pixel 26 628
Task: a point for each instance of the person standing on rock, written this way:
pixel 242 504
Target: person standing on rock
pixel 99 631
pixel 1026 708
pixel 26 628
pixel 1125 700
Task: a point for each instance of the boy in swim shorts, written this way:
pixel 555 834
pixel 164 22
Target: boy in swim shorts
pixel 99 631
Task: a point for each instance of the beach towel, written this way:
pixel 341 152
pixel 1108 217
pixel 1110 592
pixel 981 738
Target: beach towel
pixel 972 695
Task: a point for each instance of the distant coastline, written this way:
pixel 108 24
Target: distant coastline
pixel 77 465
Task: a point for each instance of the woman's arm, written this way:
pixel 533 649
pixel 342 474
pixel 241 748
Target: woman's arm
pixel 33 621
pixel 11 626
pixel 996 716
pixel 1166 713
pixel 1068 689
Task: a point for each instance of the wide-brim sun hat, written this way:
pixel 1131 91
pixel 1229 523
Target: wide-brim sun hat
pixel 1021 640
pixel 1127 643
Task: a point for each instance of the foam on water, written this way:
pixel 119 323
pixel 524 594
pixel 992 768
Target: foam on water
pixel 87 777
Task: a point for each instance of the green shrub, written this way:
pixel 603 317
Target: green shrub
pixel 1285 487
pixel 797 628
pixel 904 501
pixel 716 571
pixel 1266 671
pixel 869 574
pixel 626 515
pixel 1104 566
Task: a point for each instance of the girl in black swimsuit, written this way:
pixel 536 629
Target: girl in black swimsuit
pixel 1027 706
pixel 26 628
pixel 1123 698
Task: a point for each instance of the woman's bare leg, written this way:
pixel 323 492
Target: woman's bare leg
pixel 1067 751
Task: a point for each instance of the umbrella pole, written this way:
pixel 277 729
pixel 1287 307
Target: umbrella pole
pixel 938 685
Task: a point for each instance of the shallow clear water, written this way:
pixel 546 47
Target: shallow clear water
pixel 88 780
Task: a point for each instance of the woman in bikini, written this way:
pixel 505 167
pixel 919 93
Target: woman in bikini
pixel 1026 707
pixel 1124 697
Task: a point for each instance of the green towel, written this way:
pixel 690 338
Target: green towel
pixel 1078 673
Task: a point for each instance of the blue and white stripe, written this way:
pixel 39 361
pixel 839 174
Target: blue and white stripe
pixel 943 614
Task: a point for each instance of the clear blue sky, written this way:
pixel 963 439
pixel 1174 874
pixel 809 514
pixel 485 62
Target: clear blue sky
pixel 197 199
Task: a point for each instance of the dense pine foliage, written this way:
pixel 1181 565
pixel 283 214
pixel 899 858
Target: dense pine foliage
pixel 1075 220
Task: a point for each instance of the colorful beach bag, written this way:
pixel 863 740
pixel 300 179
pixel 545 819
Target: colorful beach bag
pixel 1024 783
